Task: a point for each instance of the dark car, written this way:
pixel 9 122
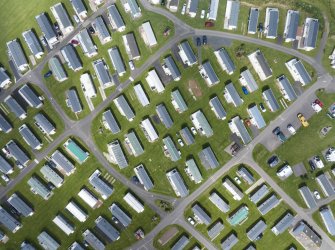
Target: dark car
pixel 312 165
pixel 56 26
pixel 91 30
pixel 281 137
pixel 273 161
pixel 204 40
pixel 48 74
pixel 198 41
pixel 135 180
pixel 245 90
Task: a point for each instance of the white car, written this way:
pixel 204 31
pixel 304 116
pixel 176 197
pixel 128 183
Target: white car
pixel 202 16
pixel 291 129
pixel 191 221
pixel 318 162
pixel 317 195
pixel 316 107
pixel 131 65
pixel 194 131
pixel 183 10
pixel 5 178
pixel 237 180
pixel 76 19
pixel 181 143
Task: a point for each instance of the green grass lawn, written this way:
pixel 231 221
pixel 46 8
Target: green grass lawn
pixel 269 239
pixel 303 145
pixel 181 231
pixel 317 218
pixel 46 110
pixel 45 211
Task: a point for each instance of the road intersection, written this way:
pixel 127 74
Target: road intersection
pixel 82 128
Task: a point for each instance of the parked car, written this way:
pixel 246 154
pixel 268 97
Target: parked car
pixel 183 10
pixel 76 19
pixel 194 131
pixel 74 42
pixel 237 180
pixel 291 129
pixel 181 143
pixel 281 137
pixel 48 74
pixel 131 65
pixel 273 161
pixel 135 180
pixel 204 40
pixel 5 178
pixel 303 120
pixel 202 15
pixel 198 41
pixel 312 165
pixel 317 108
pixel 91 30
pixel 43 41
pixel 317 101
pixel 245 90
pixel 191 221
pixel 317 195
pixel 56 26
pixel 318 162
pixel 262 108
pixel 235 148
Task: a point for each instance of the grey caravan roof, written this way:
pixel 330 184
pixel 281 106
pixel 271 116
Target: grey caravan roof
pixel 171 148
pixel 235 9
pixel 115 16
pixel 263 63
pixel 288 88
pixel 102 73
pixel 86 42
pixel 50 175
pixel 259 194
pixel 26 246
pixel 75 246
pixel 328 219
pixel 256 230
pixel 45 26
pixel 217 106
pixel 19 205
pixel 100 186
pixel 120 215
pixel 29 137
pixel 57 68
pixel 187 136
pixel 253 20
pixel 267 205
pixel 194 170
pixel 227 60
pixel 164 115
pixel 178 182
pixel 170 63
pixel 107 229
pixel 215 229
pixel 229 242
pixel 73 100
pixel 121 160
pixel 5 167
pixel 143 176
pixel 4 124
pixel 7 220
pixel 271 100
pixel 47 242
pixel 293 26
pixel 134 51
pixel 32 42
pixel 326 185
pixel 62 162
pixel 135 143
pixel 194 6
pixel 237 100
pixel 116 59
pixel 44 123
pixel 101 27
pixel 123 104
pixel 17 152
pixel 71 57
pixel 273 22
pixel 109 118
pixel 257 116
pixel 93 241
pixel 312 36
pixel 78 6
pixel 208 158
pixel 213 78
pixel 16 52
pixel 246 138
pixel 303 72
pixel 188 51
pixel 219 202
pixel 134 8
pixel 250 80
pixel 201 214
pixel 62 15
pixel 178 98
pixel 30 97
pixel 283 224
pixel 246 175
pixel 308 197
pixel 181 243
